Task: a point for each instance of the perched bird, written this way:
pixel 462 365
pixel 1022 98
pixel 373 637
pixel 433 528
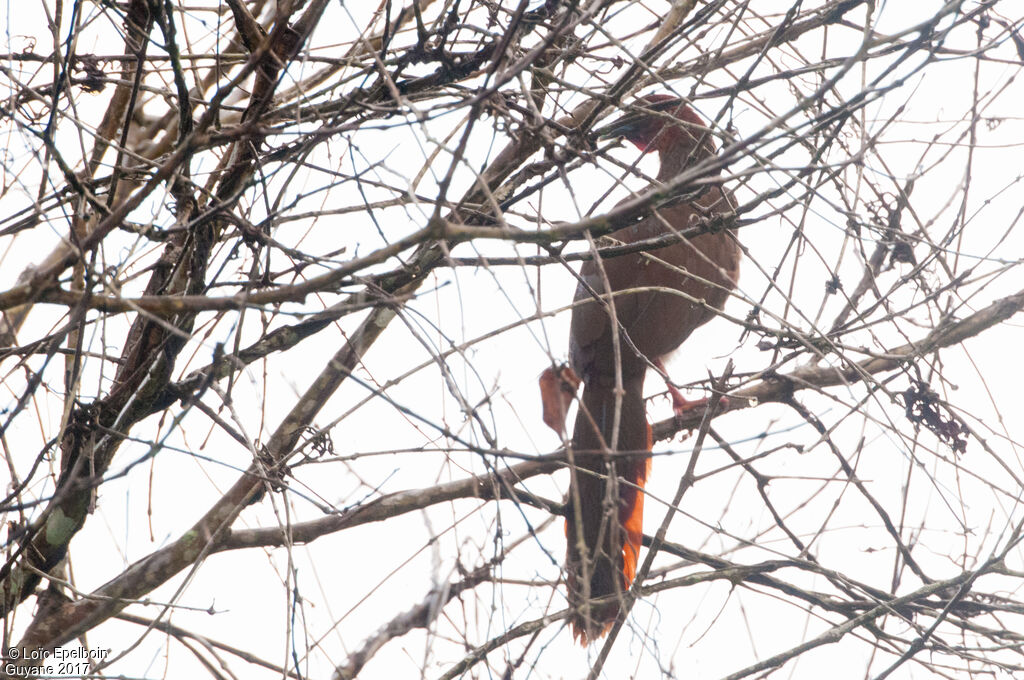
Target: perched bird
pixel 678 288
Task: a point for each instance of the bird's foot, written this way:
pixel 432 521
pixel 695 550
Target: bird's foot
pixel 558 386
pixel 683 406
pixel 680 404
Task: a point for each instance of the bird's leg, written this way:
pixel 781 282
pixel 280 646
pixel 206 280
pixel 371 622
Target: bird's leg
pixel 681 404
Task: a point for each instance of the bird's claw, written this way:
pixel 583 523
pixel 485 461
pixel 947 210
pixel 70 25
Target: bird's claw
pixel 682 406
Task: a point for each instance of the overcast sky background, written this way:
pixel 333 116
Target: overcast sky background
pixel 353 582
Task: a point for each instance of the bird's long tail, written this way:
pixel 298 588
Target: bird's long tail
pixel 604 522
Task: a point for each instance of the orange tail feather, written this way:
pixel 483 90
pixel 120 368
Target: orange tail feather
pixel 603 564
pixel 631 514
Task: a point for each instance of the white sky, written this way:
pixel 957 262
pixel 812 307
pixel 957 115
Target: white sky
pixel 355 581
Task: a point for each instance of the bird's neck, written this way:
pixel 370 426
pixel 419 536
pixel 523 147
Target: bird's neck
pixel 676 161
pixel 678 149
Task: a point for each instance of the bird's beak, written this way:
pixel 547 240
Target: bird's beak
pixel 622 127
pixel 628 124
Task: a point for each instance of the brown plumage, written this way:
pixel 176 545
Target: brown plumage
pixel 605 507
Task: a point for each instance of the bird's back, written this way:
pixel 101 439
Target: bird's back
pixel 690 280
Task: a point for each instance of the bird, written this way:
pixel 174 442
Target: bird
pixel 631 313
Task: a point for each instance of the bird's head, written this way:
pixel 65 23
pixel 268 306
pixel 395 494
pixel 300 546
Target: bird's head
pixel 665 124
